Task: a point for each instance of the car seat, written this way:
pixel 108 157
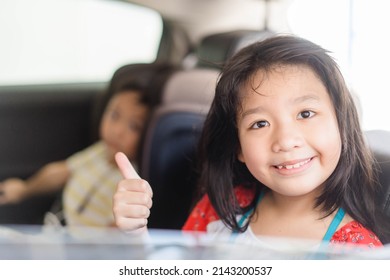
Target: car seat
pixel 379 142
pixel 170 145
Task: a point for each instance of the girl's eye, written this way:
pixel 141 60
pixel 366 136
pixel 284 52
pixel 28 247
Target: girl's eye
pixel 260 124
pixel 305 114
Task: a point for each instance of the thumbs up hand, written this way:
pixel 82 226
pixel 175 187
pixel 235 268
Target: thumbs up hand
pixel 133 198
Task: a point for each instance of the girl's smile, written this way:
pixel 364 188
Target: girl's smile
pixel 293 167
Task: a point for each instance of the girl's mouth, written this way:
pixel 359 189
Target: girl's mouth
pixel 296 165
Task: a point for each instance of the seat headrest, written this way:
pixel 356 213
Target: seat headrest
pixel 193 86
pixel 215 49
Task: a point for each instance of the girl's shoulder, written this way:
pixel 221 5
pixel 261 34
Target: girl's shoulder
pixel 355 233
pixel 204 213
pixel 91 153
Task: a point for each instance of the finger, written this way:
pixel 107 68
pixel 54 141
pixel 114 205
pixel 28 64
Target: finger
pixel 133 198
pixel 132 225
pixel 127 170
pixel 132 211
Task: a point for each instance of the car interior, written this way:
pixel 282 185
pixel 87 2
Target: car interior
pixel 43 123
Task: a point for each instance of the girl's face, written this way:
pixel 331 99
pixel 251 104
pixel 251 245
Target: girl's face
pixel 288 130
pixel 123 123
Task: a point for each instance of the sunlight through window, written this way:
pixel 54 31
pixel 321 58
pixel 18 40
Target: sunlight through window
pixel 354 31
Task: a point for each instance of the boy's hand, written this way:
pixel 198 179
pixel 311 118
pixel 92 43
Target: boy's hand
pixel 133 198
pixel 12 191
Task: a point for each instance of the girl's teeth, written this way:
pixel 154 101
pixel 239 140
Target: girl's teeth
pixel 299 164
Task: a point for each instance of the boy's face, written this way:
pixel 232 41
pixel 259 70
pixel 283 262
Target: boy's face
pixel 123 123
pixel 288 130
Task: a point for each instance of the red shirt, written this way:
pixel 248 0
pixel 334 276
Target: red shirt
pixel 204 213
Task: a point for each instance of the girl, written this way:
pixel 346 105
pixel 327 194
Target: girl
pixel 282 153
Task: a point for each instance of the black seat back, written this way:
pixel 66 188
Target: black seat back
pixel 170 145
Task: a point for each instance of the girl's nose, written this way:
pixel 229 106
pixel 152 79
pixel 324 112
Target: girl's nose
pixel 286 137
pixel 117 129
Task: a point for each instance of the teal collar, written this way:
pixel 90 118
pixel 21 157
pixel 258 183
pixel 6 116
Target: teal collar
pixel 334 225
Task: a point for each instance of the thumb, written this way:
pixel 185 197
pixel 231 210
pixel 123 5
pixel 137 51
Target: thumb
pixel 127 170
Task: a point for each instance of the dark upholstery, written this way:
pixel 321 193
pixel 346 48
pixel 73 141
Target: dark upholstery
pixel 170 145
pixel 379 142
pixel 40 124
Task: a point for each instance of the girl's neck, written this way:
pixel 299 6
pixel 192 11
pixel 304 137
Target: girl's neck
pixel 292 205
pixel 278 215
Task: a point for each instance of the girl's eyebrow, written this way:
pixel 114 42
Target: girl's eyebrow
pixel 298 100
pixel 307 97
pixel 255 110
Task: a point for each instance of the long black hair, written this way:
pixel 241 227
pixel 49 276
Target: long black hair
pixel 353 184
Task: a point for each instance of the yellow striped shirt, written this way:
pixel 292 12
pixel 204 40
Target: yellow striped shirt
pixel 87 198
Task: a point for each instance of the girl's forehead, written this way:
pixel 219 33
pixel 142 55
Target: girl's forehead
pixel 279 69
pixel 132 96
pixel 289 84
pixel 134 93
pixel 276 72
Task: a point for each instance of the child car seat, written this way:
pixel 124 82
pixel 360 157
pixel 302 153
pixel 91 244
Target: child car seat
pixel 170 145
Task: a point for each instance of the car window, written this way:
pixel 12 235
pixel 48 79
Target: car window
pixel 67 41
pixel 355 32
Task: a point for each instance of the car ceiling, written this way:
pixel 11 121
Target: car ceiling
pixel 202 17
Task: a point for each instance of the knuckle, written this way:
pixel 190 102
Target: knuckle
pixel 145 199
pixel 116 209
pixel 121 224
pixel 145 223
pixel 122 184
pixel 147 213
pixel 144 184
